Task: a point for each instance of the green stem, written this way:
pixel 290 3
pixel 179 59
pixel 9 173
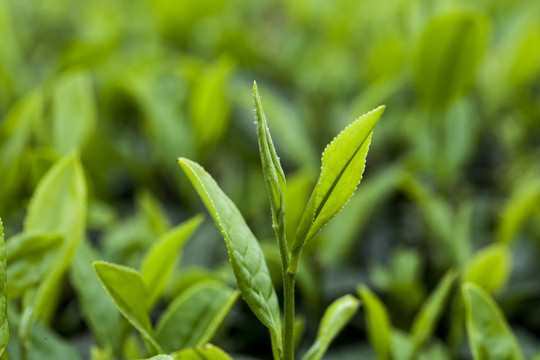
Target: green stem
pixel 288 330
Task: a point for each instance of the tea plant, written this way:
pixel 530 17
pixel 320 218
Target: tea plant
pixel 342 167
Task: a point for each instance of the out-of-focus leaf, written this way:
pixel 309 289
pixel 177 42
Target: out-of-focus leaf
pixel 209 105
pixel 28 258
pixel 161 357
pixel 161 259
pixel 343 163
pixel 153 213
pixel 402 345
pixel 489 268
pixel 73 111
pixel 449 51
pixel 193 317
pixel 208 351
pixel 425 321
pixel 522 204
pixel 4 326
pixel 335 318
pixel 489 334
pixel 526 54
pixel 126 288
pixel 97 308
pixel 247 258
pixel 63 188
pixel 378 324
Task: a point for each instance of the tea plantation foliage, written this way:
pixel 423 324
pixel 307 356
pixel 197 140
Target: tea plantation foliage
pixel 110 254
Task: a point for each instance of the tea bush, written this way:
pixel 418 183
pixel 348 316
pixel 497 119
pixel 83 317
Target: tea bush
pixel 110 254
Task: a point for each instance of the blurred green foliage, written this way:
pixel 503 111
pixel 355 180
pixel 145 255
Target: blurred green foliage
pixel 114 91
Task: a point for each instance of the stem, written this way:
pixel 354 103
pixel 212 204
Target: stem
pixel 288 330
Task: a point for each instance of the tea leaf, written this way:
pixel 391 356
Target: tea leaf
pixel 247 259
pixel 426 319
pixel 273 173
pixel 335 318
pixel 160 260
pixel 126 288
pixel 446 59
pixel 194 316
pixel 489 334
pixel 4 326
pixel 489 268
pixel 73 111
pixel 97 308
pixel 63 188
pixel 207 352
pixel 343 163
pixel 28 258
pixel 378 324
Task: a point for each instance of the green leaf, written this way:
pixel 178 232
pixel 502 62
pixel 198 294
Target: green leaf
pixel 161 259
pixel 425 321
pixel 489 268
pixel 335 318
pixel 449 51
pixel 273 173
pixel 161 357
pixel 4 326
pixel 247 258
pixel 378 324
pixel 126 288
pixel 489 334
pixel 343 163
pixel 206 352
pixel 63 188
pixel 73 111
pixel 194 316
pixel 97 308
pixel 29 256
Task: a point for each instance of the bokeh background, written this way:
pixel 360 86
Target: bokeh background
pixel 453 166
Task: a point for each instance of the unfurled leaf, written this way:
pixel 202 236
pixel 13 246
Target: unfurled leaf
pixel 58 206
pixel 97 308
pixel 247 258
pixel 335 318
pixel 273 173
pixel 194 316
pixel 73 111
pixel 489 268
pixel 446 59
pixel 489 334
pixel 161 259
pixel 378 324
pixel 28 257
pixel 126 288
pixel 342 167
pixel 207 352
pixel 4 326
pixel 426 319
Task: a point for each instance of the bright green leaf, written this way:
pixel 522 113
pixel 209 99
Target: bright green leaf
pixel 335 318
pixel 63 188
pixel 489 268
pixel 126 288
pixel 247 259
pixel 489 334
pixel 194 316
pixel 425 321
pixel 4 326
pixel 161 259
pixel 378 324
pixel 343 163
pixel 207 352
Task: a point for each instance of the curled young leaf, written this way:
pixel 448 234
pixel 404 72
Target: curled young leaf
pixel 245 253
